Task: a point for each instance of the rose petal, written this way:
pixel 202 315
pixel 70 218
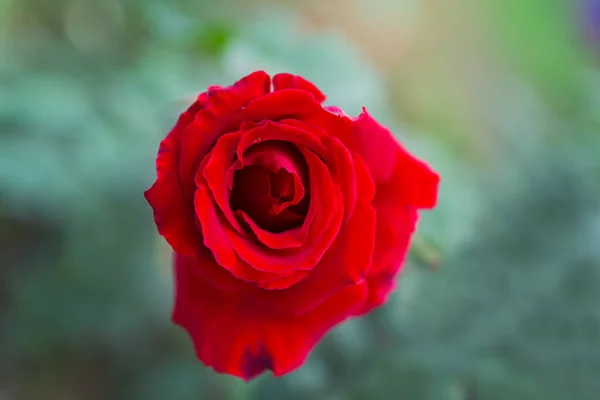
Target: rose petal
pixel 292 104
pixel 336 156
pixel 365 186
pixel 289 81
pixel 217 232
pixel 214 274
pixel 341 165
pixel 292 238
pixel 395 226
pixel 212 174
pixel 222 105
pixel 172 214
pixel 284 281
pixel 286 103
pixel 419 182
pixel 380 150
pixel 374 143
pixel 388 259
pixel 380 288
pixel 336 110
pixel 216 239
pixel 284 132
pixel 346 263
pixel 237 336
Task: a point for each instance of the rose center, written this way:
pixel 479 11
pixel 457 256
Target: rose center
pixel 282 185
pixel 270 187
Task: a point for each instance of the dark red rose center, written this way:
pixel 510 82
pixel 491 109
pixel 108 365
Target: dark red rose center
pixel 282 185
pixel 270 186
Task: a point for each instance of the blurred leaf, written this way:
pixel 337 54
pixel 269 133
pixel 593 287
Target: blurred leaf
pixel 213 38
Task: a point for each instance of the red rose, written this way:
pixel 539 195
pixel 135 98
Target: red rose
pixel 286 218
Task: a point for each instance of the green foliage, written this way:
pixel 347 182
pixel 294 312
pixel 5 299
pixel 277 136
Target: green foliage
pixel 539 38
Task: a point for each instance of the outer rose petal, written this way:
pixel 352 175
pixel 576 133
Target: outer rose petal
pixel 395 226
pixel 215 275
pixel 380 287
pixel 235 335
pixel 336 110
pixel 419 182
pixel 365 185
pixel 391 248
pixel 174 216
pixel 376 145
pixel 289 81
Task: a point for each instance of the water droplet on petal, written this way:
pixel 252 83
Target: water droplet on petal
pixel 258 140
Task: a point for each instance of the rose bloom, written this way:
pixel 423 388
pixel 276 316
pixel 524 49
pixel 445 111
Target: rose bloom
pixel 285 217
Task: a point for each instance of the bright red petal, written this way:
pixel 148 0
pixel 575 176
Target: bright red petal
pixel 217 234
pixel 235 335
pixel 336 156
pixel 283 281
pixel 287 103
pixel 222 105
pixel 173 215
pixel 395 225
pixel 289 81
pixel 282 131
pixel 385 156
pixel 380 288
pixel 346 263
pixel 214 274
pixel 419 182
pixel 364 181
pixel 341 165
pixel 292 238
pixel 213 174
pixel 216 239
pixel 374 143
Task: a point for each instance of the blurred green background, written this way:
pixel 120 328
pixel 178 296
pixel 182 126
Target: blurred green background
pixel 501 296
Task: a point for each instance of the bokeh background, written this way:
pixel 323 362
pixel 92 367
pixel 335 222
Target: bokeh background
pixel 500 298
